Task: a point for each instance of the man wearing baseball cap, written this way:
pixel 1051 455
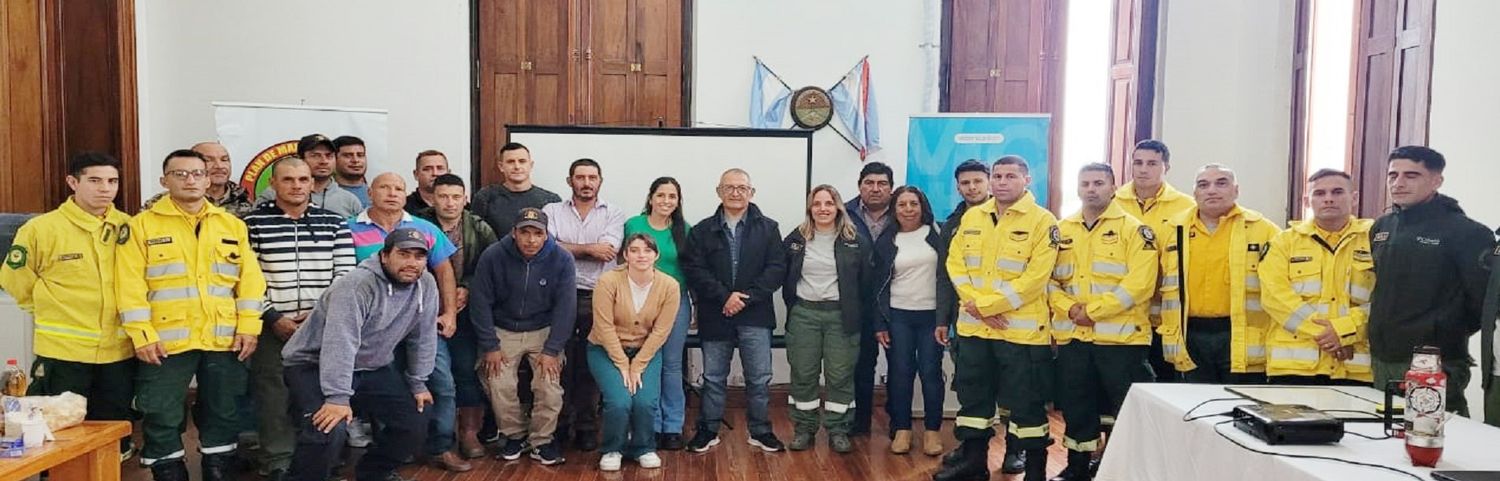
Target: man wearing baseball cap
pixel 522 302
pixel 343 357
pixel 319 153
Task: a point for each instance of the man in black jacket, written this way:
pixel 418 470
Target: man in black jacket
pixel 734 262
pixel 871 215
pixel 1430 274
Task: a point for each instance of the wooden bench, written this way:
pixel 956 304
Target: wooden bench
pixel 86 452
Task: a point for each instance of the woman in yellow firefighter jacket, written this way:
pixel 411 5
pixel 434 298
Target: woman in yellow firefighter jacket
pixel 1000 261
pixel 189 294
pixel 1316 282
pixel 1100 291
pixel 1212 324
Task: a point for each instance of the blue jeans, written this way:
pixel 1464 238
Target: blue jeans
pixel 914 352
pixel 673 406
pixel 443 411
pixel 629 419
pixel 755 359
pixel 463 350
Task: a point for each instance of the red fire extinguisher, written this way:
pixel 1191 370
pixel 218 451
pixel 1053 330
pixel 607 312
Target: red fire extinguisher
pixel 1426 406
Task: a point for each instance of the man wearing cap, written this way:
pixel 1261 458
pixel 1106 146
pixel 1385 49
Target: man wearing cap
pixel 343 357
pixel 221 191
pixel 319 153
pixel 522 302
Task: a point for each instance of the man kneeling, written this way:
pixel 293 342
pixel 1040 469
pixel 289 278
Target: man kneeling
pixel 342 357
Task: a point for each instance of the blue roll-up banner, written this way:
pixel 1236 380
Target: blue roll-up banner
pixel 937 143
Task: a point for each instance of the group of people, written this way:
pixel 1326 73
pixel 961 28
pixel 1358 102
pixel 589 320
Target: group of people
pixel 340 306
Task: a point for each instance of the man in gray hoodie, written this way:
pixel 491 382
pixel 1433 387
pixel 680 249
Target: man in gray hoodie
pixel 341 359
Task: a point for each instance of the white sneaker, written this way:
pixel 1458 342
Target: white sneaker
pixel 610 461
pixel 359 434
pixel 649 460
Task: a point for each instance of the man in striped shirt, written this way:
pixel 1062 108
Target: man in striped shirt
pixel 301 248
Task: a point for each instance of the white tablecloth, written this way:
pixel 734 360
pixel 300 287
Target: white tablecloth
pixel 1152 443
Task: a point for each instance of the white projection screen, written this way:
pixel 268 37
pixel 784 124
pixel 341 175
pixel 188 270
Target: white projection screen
pixel 779 163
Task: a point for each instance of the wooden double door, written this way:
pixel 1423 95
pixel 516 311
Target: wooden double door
pixel 576 62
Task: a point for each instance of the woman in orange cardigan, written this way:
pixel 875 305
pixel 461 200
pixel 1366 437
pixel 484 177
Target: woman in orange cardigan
pixel 634 308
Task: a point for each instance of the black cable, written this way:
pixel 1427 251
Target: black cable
pixel 1369 437
pixel 1187 416
pixel 1309 456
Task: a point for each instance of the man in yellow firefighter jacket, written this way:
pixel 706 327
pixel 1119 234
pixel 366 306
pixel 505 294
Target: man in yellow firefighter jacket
pixel 1315 283
pixel 1149 198
pixel 1100 292
pixel 61 270
pixel 1212 325
pixel 190 293
pixel 1000 262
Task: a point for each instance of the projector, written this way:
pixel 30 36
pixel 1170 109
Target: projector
pixel 1288 424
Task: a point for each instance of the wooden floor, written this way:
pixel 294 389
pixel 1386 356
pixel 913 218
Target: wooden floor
pixel 733 460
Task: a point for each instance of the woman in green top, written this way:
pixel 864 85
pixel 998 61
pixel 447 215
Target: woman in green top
pixel 662 220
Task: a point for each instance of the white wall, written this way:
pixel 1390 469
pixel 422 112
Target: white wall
pixel 813 43
pixel 1463 121
pixel 410 58
pixel 1225 94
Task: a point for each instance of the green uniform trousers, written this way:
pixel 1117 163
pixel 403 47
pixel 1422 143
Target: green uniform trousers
pixel 278 437
pixel 1016 376
pixel 816 345
pixel 161 396
pixel 1092 381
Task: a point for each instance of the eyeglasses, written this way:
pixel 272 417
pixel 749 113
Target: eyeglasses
pixel 188 174
pixel 736 189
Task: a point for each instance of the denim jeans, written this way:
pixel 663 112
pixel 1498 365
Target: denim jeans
pixel 914 352
pixel 463 350
pixel 629 419
pixel 442 412
pixel 673 403
pixel 754 344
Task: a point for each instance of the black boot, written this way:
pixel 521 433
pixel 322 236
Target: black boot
pixel 1036 464
pixel 169 470
pixel 1078 467
pixel 1015 458
pixel 973 463
pixel 218 467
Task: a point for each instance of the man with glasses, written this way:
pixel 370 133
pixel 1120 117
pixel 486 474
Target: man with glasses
pixel 221 191
pixel 189 295
pixel 319 154
pixel 733 264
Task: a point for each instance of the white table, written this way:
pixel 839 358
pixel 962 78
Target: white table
pixel 1152 443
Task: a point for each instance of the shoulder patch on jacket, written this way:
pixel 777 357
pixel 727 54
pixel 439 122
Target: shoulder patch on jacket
pixel 16 258
pixel 124 235
pixel 159 241
pixel 1056 235
pixel 1149 237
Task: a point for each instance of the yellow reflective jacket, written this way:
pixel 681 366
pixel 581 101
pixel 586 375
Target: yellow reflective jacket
pixel 1304 277
pixel 190 288
pixel 1157 214
pixel 1111 270
pixel 1002 262
pixel 1250 235
pixel 61 270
